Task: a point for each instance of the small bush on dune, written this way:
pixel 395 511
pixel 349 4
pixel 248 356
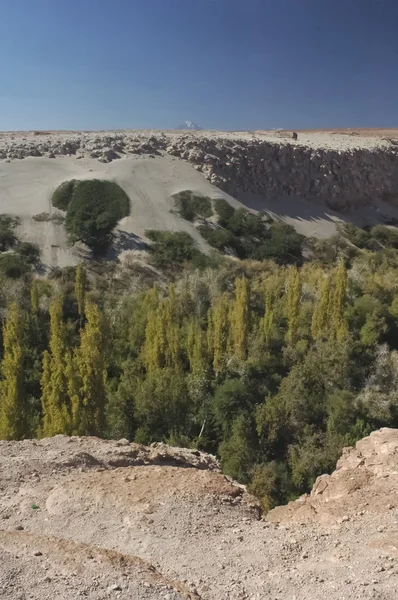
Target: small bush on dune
pixel 190 205
pixel 94 208
pixel 63 194
pixel 224 211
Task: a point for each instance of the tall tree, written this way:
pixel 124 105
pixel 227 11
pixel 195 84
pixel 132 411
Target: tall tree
pixel 197 348
pixel 88 385
pixel 80 290
pixel 337 305
pixel 220 324
pixel 12 394
pixel 320 318
pixel 293 303
pixel 55 399
pixel 239 318
pixel 268 320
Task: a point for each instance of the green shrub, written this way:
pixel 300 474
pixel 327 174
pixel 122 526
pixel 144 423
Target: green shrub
pixel 7 235
pixel 284 245
pixel 62 196
pixel 93 208
pixel 221 239
pixel 190 205
pixel 45 217
pixel 224 211
pixel 29 253
pixel 13 265
pixel 171 249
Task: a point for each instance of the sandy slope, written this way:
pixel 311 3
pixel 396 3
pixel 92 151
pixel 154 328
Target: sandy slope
pixel 145 165
pixel 26 187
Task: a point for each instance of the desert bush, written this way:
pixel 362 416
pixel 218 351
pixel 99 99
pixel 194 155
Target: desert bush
pixel 62 196
pixel 190 205
pixel 45 217
pixel 224 211
pixel 93 208
pixel 13 265
pixel 29 253
pixel 7 235
pixel 170 249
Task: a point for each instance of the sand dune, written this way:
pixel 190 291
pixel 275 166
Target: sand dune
pixel 152 166
pixel 26 187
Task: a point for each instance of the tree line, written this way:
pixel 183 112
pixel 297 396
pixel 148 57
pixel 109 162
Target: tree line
pixel 273 368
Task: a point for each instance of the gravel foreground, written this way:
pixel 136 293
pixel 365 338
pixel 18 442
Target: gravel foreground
pixel 83 517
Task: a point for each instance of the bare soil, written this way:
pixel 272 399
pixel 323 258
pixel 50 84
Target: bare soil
pixel 99 519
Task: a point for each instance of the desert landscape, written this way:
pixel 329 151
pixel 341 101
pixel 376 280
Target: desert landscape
pixel 117 390
pixel 323 178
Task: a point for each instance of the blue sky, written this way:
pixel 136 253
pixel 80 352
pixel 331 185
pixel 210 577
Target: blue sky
pixel 225 64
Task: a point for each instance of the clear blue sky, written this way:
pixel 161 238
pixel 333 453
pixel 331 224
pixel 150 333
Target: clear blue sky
pixel 225 64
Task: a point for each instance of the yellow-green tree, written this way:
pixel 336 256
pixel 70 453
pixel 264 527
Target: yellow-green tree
pixel 320 327
pixel 239 318
pixel 197 348
pixel 293 303
pixel 87 375
pixel 80 289
pixel 162 346
pixel 268 320
pixel 55 398
pixel 339 328
pixel 220 325
pixel 12 397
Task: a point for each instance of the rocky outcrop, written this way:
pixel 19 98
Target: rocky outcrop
pixel 342 180
pixel 365 480
pixel 340 174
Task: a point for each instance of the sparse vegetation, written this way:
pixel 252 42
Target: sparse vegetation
pixel 191 206
pixel 373 238
pixel 171 249
pixel 45 217
pixel 255 236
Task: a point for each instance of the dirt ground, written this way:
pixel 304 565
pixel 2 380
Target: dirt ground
pixel 99 519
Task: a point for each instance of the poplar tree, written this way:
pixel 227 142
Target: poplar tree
pixel 320 318
pixel 196 348
pixel 88 386
pixel 239 318
pixel 337 305
pixel 293 303
pixel 268 319
pixel 12 396
pixel 80 290
pixel 221 330
pixel 55 399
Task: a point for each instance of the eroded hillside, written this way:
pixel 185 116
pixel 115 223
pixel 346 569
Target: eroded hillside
pixel 311 183
pixel 87 517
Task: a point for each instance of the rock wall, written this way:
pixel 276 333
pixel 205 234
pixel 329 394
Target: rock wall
pixel 342 180
pixel 342 174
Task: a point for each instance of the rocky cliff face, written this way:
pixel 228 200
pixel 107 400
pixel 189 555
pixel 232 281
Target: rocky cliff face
pixel 342 180
pixel 365 481
pixel 334 171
